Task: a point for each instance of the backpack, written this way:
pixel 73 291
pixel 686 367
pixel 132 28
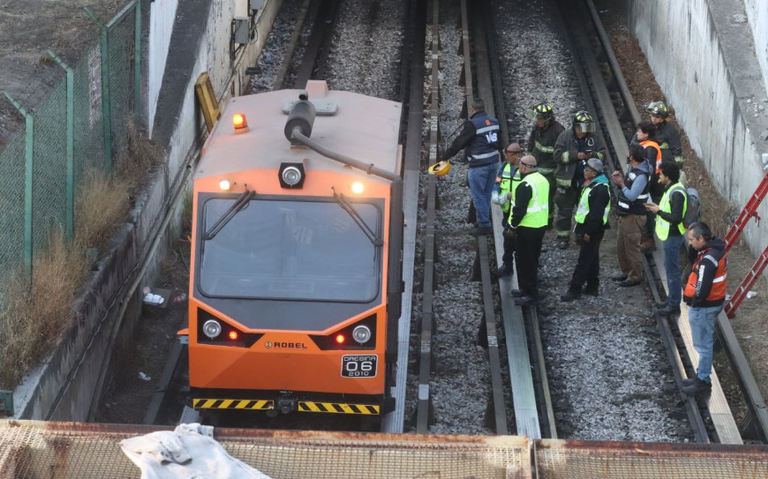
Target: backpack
pixel 693 212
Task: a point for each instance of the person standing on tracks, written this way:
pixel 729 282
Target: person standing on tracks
pixel 634 189
pixel 705 294
pixel 546 129
pixel 591 222
pixel 572 149
pixel 527 226
pixel 504 196
pixel 645 136
pixel 480 140
pixel 670 229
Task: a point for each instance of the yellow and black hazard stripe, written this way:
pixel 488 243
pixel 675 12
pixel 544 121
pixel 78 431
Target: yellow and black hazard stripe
pixel 234 404
pixel 339 408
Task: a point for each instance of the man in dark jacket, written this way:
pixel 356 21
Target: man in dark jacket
pixel 705 294
pixel 480 140
pixel 572 149
pixel 669 228
pixel 546 129
pixel 633 194
pixel 666 135
pixel 591 221
pixel 527 226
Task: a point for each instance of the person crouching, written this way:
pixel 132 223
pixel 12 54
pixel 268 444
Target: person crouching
pixel 591 222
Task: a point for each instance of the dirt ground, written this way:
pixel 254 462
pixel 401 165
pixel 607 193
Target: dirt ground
pixel 128 398
pixel 28 28
pixel 751 321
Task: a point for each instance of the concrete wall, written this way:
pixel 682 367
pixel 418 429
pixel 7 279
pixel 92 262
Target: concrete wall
pixel 757 11
pixel 703 59
pixel 64 388
pixel 161 20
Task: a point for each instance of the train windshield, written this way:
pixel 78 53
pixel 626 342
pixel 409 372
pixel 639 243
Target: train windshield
pixel 290 250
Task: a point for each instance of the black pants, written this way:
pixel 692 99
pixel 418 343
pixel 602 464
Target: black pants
pixel 588 266
pixel 509 245
pixel 527 251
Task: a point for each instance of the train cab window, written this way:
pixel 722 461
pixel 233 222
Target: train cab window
pixel 290 250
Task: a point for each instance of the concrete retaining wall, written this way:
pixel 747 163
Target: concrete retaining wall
pixel 162 17
pixel 703 58
pixel 64 388
pixel 757 11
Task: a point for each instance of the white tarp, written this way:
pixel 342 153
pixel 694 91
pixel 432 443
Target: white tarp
pixel 189 452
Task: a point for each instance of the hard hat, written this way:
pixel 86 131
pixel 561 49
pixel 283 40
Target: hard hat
pixel 584 121
pixel 595 164
pixel 440 168
pixel 658 108
pixel 543 110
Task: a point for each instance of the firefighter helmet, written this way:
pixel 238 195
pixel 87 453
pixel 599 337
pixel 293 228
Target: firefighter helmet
pixel 440 168
pixel 658 108
pixel 583 119
pixel 543 110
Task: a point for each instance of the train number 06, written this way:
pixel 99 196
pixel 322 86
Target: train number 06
pixel 359 366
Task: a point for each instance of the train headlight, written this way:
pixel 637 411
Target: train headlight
pixel 224 184
pixel 361 334
pixel 291 176
pixel 357 187
pixel 212 328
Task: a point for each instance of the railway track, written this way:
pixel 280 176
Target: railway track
pixel 524 395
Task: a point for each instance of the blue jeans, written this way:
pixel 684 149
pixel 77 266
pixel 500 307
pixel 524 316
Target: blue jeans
pixel 672 265
pixel 482 179
pixel 702 322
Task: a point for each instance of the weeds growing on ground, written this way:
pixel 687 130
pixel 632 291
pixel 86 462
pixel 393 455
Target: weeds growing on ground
pixel 37 311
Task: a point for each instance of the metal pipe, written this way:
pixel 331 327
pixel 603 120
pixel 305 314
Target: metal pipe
pixel 300 138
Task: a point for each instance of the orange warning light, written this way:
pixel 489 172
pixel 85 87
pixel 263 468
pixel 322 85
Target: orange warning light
pixel 240 123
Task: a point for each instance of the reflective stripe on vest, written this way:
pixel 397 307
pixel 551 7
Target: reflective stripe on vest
pixel 485 155
pixel 662 225
pixel 537 215
pixel 487 129
pixel 652 143
pixel 625 206
pixel 545 171
pixel 583 209
pixel 719 284
pixel 507 185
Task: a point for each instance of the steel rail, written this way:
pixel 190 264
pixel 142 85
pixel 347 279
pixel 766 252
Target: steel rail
pixel 285 64
pixel 394 422
pixel 750 390
pixel 593 85
pixel 524 399
pixel 424 411
pixel 488 335
pixel 320 28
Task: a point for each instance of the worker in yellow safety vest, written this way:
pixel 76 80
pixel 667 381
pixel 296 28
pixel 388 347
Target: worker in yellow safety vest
pixel 591 222
pixel 527 225
pixel 669 216
pixel 503 195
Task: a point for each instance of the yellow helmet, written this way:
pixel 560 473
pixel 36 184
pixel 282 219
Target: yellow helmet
pixel 440 168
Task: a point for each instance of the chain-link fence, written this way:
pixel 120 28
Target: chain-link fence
pixel 44 166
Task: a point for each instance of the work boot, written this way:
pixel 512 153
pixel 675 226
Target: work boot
pixel 570 295
pixel 619 277
pixel 698 387
pixel 525 301
pixel 628 283
pixel 648 244
pixel 505 269
pixel 562 243
pixel 592 290
pixel 481 230
pixel 661 305
pixel 689 381
pixel 516 293
pixel 667 310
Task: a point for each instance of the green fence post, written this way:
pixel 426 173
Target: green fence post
pixel 70 200
pixel 137 66
pixel 106 106
pixel 28 163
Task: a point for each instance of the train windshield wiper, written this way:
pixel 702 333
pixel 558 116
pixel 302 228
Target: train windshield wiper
pixel 237 207
pixel 352 212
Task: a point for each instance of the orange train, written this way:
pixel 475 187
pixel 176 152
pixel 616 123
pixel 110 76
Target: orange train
pixel 295 282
